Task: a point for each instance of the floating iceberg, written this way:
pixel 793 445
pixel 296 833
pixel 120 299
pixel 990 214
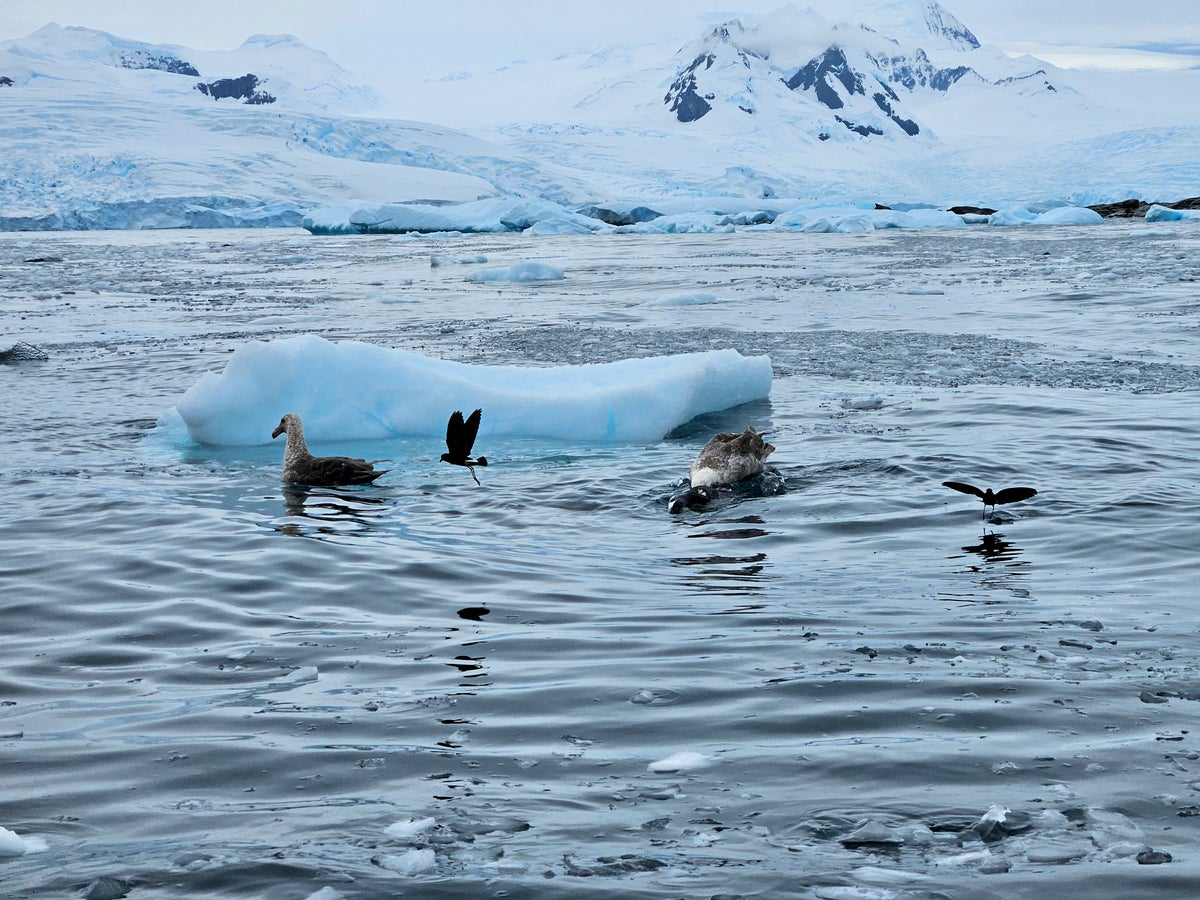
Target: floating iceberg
pixel 1069 215
pixel 478 216
pixel 352 390
pixel 1058 215
pixel 1158 213
pixel 522 271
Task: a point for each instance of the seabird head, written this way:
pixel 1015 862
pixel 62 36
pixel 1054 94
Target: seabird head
pixel 284 423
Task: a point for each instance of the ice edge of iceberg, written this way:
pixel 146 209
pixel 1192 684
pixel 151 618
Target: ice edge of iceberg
pixel 351 390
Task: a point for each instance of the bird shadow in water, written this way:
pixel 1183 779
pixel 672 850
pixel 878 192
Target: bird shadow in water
pixel 329 511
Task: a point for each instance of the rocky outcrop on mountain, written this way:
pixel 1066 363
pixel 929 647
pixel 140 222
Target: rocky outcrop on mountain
pixel 5 81
pixel 244 89
pixel 682 98
pixel 141 59
pixel 1137 209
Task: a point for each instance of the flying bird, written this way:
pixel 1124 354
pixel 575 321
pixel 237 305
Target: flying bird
pixel 460 438
pixel 301 467
pixel 1005 495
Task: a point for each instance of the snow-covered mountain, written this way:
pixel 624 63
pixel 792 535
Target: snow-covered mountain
pixel 101 132
pixel 847 76
pixel 896 102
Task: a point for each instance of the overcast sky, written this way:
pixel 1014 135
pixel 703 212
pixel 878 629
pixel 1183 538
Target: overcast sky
pixel 389 42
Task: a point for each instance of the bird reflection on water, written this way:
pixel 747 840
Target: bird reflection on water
pixel 721 573
pixel 999 567
pixel 329 512
pixel 993 548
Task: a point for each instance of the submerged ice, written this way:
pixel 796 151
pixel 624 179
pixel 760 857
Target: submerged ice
pixel 353 390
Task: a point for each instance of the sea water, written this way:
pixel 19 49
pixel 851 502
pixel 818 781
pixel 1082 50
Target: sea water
pixel 213 684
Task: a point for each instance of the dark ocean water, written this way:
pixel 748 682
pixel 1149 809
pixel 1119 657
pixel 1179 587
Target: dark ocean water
pixel 213 685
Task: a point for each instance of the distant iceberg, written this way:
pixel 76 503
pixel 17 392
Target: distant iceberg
pixel 1058 215
pixel 1158 213
pixel 488 216
pixel 352 390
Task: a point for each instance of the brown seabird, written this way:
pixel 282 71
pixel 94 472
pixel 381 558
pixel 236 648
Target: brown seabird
pixel 726 459
pixel 301 467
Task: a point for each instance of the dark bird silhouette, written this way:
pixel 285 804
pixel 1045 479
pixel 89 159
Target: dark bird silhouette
pixel 301 467
pixel 460 438
pixel 1006 495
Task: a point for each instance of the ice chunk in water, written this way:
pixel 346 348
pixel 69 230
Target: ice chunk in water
pixel 352 390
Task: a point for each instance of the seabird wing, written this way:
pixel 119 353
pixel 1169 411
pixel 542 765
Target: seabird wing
pixel 470 429
pixel 965 488
pixel 1013 494
pixel 454 435
pixel 333 470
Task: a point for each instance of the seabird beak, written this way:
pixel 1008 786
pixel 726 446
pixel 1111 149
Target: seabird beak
pixel 279 429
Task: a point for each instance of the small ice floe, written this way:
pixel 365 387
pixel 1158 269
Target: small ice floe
pixel 108 888
pixel 412 862
pixel 302 675
pixel 648 696
pixel 409 827
pixel 435 260
pixel 862 403
pixel 872 832
pixel 683 761
pixel 999 822
pixel 13 844
pixel 1110 830
pixel 609 867
pixel 325 893
pixel 22 351
pixel 522 271
pixel 1058 853
pixel 878 875
pixel 697 298
pixel 970 858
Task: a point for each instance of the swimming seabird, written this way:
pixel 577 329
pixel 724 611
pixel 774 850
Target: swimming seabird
pixel 1004 495
pixel 301 467
pixel 460 438
pixel 726 459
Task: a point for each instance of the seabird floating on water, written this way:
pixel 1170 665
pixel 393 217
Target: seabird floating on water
pixel 460 438
pixel 301 467
pixel 1005 495
pixel 726 459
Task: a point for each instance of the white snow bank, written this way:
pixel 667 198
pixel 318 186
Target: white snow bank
pixel 1158 213
pixel 352 390
pixel 522 271
pixel 479 216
